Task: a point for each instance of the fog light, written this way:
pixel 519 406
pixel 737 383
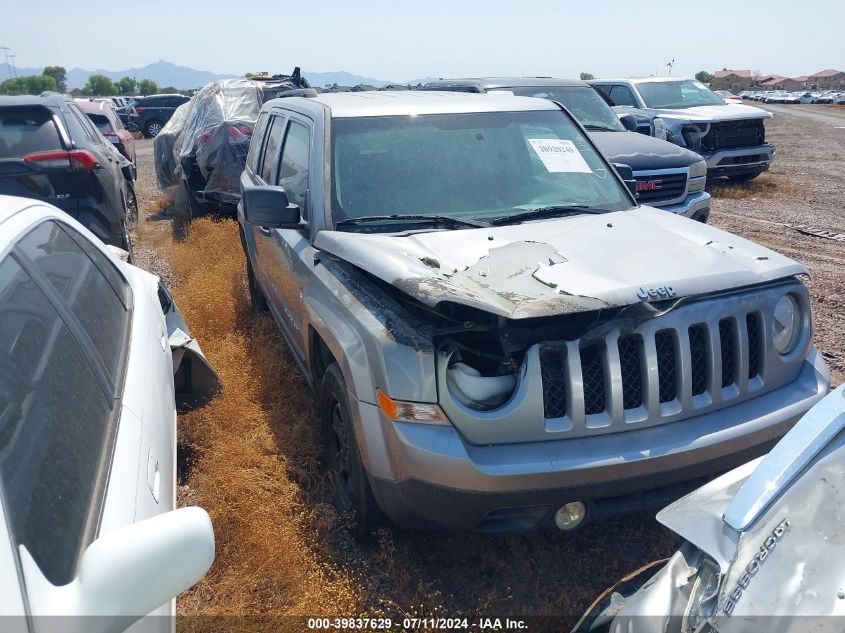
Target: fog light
pixel 570 516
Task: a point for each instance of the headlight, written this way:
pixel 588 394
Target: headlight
pixel 659 128
pixel 786 324
pixel 473 390
pixel 703 597
pixel 697 170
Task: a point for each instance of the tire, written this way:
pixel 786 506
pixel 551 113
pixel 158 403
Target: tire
pixel 196 207
pixel 352 496
pixel 152 128
pixel 131 207
pixel 256 297
pixel 744 177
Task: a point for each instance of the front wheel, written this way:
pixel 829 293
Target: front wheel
pixel 131 207
pixel 352 494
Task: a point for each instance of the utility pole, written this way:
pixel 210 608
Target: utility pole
pixel 669 66
pixel 14 68
pixel 6 50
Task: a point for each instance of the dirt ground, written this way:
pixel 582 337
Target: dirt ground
pixel 251 457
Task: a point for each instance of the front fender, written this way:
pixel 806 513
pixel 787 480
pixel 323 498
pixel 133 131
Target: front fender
pixel 376 342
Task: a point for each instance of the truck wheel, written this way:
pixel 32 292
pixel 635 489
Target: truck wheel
pixel 352 494
pixel 256 297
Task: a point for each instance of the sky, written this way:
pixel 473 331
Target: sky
pixel 399 41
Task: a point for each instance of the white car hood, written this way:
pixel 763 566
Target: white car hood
pixel 561 266
pixel 711 113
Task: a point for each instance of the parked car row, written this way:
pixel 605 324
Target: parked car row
pixel 801 96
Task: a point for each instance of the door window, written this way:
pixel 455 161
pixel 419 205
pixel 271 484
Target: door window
pixel 56 426
pixel 622 96
pixel 255 145
pixel 293 171
pixel 88 282
pixel 272 148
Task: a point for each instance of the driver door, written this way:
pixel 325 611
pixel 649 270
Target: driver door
pixel 280 252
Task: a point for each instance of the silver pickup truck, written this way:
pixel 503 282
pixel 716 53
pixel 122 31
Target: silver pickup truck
pixel 499 338
pixel 730 137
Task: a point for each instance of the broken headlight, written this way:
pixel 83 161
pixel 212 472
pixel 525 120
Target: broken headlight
pixel 472 389
pixel 786 324
pixel 659 128
pixel 704 596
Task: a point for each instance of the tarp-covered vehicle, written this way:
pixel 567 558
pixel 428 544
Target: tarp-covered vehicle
pixel 201 151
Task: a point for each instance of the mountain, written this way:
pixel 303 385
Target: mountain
pixel 183 77
pixel 162 72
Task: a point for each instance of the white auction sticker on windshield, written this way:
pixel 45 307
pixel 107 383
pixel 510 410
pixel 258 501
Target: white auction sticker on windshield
pixel 559 155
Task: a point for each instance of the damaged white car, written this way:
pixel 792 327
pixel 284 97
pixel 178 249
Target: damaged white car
pixel 94 360
pixel 763 546
pixel 499 336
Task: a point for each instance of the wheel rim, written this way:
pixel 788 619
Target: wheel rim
pixel 340 455
pixel 154 129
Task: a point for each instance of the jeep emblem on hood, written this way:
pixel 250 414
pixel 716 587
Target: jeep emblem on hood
pixel 656 294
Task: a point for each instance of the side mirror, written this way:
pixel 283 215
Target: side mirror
pixel 270 208
pixel 627 174
pixel 126 574
pixel 629 121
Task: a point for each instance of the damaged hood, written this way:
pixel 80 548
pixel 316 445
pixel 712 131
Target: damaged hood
pixel 560 266
pixel 712 113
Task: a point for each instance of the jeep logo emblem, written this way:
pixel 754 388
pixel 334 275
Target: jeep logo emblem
pixel 649 185
pixel 655 294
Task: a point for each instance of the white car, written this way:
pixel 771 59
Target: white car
pixel 88 347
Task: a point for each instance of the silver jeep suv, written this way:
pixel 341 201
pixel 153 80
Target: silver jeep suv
pixel 498 336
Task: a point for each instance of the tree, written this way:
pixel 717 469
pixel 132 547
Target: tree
pixel 147 87
pixel 587 76
pixel 59 74
pixel 168 89
pixel 29 85
pixel 99 86
pixel 127 86
pixel 704 77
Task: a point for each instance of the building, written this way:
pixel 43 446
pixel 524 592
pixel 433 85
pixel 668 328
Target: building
pixel 733 80
pixel 778 82
pixel 829 79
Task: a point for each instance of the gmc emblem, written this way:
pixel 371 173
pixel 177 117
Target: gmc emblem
pixel 649 185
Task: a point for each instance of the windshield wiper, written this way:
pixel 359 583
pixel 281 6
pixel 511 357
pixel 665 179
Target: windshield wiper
pixel 412 219
pixel 600 128
pixel 547 212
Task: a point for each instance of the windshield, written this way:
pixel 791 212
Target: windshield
pixel 585 103
pixel 683 93
pixel 466 166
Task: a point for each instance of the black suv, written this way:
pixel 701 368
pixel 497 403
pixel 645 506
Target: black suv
pixel 50 151
pixel 154 111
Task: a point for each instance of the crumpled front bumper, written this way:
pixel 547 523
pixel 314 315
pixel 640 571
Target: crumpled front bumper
pixel 195 380
pixel 428 476
pixel 743 160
